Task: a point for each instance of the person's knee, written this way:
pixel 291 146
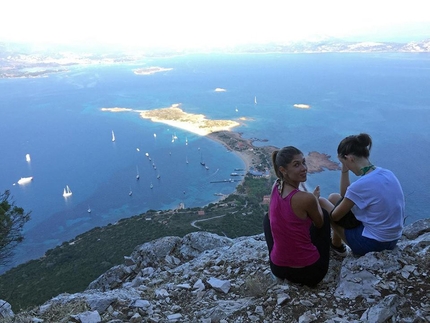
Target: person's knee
pixel 334 198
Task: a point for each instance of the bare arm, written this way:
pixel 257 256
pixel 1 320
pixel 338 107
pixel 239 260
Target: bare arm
pixel 344 179
pixel 314 210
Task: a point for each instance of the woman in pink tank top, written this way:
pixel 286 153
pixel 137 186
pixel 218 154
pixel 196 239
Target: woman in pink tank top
pixel 296 228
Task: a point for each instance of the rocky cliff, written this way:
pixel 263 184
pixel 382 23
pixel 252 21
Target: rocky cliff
pixel 207 278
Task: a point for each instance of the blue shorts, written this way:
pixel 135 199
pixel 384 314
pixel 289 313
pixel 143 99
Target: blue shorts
pixel 361 245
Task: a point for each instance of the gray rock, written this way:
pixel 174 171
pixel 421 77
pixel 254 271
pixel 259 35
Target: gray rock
pixel 87 317
pixel 173 280
pixel 382 311
pixel 417 228
pixel 5 310
pixel 219 285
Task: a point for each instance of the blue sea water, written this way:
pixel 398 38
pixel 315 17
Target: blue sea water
pixel 59 122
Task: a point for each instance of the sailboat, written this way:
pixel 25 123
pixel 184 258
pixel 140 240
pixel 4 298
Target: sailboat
pixel 89 210
pixel 201 160
pixel 130 193
pixel 137 170
pixel 113 136
pixel 151 186
pixel 255 99
pixel 67 191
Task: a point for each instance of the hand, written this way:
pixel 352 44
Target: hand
pixel 344 168
pixel 317 192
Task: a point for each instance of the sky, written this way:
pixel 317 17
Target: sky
pixel 202 23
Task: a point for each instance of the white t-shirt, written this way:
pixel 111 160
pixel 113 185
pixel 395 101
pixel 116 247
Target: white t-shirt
pixel 379 204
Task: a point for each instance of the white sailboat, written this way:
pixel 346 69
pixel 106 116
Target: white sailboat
pixel 151 186
pixel 89 210
pixel 137 175
pixel 67 191
pixel 113 136
pixel 130 193
pixel 27 157
pixel 255 99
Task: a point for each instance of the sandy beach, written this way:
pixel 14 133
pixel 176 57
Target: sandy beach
pixel 196 123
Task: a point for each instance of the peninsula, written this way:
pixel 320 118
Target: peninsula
pixel 220 131
pixel 260 157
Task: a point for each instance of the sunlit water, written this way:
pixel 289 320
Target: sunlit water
pixel 58 121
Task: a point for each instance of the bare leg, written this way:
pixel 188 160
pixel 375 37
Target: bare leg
pixel 337 232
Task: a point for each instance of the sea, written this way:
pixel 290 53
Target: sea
pixel 58 121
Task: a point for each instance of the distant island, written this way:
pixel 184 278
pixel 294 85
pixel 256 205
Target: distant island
pixel 150 70
pixel 302 106
pixel 116 109
pixel 195 123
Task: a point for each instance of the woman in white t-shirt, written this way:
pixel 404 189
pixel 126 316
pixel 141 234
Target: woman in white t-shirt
pixel 376 199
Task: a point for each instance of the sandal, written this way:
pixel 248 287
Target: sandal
pixel 341 250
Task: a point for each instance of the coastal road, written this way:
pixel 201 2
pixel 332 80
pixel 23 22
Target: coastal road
pixel 215 217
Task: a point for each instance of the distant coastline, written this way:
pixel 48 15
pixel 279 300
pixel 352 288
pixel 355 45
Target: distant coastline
pixel 21 61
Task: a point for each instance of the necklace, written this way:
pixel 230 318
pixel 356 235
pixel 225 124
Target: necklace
pixel 365 169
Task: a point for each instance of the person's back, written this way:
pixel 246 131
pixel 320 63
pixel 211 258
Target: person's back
pixel 292 243
pixel 379 204
pixel 376 199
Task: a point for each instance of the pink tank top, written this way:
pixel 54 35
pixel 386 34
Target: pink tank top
pixel 292 242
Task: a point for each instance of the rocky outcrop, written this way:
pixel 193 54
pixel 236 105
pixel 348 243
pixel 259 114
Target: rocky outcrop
pixel 206 278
